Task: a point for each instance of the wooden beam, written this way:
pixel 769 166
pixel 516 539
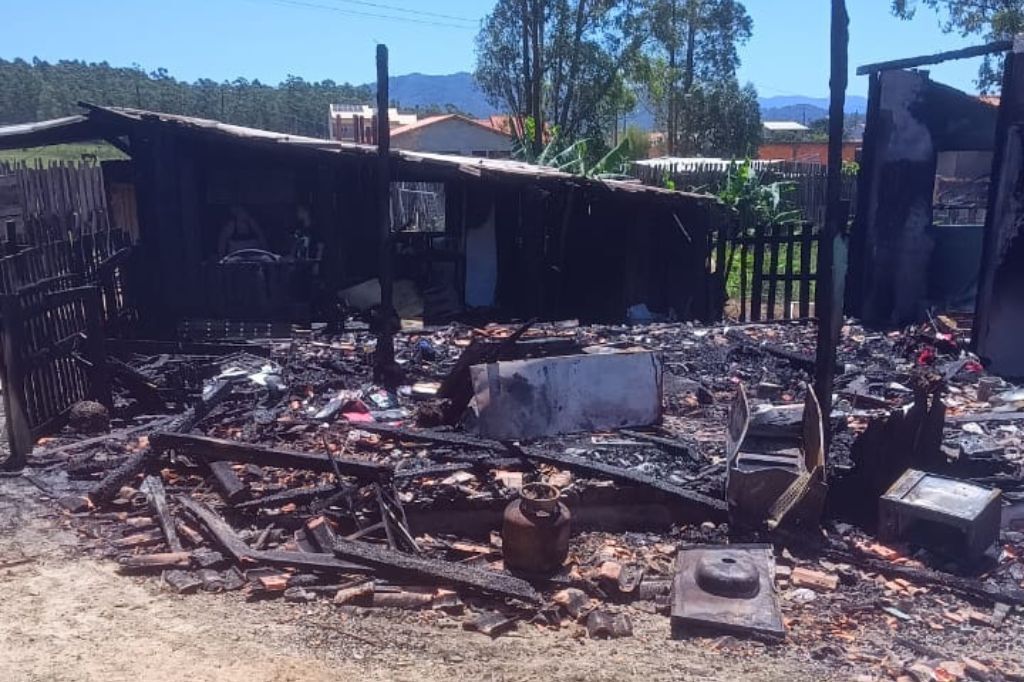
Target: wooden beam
pixel 153 487
pixel 224 535
pixel 937 58
pixel 218 449
pixel 384 358
pixel 829 305
pixel 433 571
pixel 709 507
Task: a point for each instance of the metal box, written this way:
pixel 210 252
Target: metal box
pixel 955 517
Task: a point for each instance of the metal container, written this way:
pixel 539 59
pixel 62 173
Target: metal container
pixel 535 532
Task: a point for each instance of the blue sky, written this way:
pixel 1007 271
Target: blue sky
pixel 317 39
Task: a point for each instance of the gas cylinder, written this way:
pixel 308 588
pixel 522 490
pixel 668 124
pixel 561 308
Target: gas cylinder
pixel 535 532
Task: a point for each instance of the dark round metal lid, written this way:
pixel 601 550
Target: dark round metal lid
pixel 728 574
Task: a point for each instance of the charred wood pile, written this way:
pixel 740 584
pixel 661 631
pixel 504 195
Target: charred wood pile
pixel 556 475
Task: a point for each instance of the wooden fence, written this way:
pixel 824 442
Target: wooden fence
pixel 59 201
pixel 806 181
pixel 52 357
pixel 60 282
pixel 771 272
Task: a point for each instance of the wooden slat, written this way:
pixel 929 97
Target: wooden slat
pixel 805 270
pixel 787 289
pixel 757 283
pixel 773 270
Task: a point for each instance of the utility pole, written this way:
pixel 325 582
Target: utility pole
pixel 384 360
pixel 829 302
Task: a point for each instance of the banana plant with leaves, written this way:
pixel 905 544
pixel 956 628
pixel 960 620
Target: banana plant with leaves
pixel 573 157
pixel 757 205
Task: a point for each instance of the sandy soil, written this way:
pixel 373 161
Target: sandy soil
pixel 64 616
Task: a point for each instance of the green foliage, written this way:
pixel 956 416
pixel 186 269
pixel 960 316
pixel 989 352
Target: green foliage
pixel 560 62
pixel 687 72
pixel 756 203
pixel 62 152
pixel 37 90
pixel 992 19
pixel 582 157
pixel 639 143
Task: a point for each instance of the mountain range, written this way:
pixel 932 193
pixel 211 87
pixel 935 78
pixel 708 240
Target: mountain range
pixel 417 90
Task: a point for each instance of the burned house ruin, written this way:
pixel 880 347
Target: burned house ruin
pixel 938 218
pixel 243 224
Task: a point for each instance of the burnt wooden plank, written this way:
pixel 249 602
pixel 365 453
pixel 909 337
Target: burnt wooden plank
pixel 671 444
pixel 214 449
pixel 153 487
pixel 294 496
pixel 457 440
pixel 112 483
pixel 231 486
pixel 418 569
pixel 140 563
pixel 224 535
pixel 711 508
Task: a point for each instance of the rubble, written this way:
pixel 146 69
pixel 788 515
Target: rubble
pixel 267 479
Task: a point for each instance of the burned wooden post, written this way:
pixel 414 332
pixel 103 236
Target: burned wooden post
pixel 384 360
pixel 829 302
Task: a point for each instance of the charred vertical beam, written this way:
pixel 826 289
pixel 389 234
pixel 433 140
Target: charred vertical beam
pixel 384 359
pixel 829 304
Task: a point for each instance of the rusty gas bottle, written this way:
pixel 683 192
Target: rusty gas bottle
pixel 535 532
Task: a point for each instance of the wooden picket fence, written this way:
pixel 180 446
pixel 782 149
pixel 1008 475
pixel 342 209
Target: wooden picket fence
pixel 777 272
pixel 59 201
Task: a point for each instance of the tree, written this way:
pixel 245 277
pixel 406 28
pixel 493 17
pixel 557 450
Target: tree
pixel 719 119
pixel 40 90
pixel 992 19
pixel 559 63
pixel 689 67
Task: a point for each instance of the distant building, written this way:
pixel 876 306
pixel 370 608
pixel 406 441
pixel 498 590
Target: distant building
pixel 804 152
pixel 784 127
pixel 356 122
pixel 453 134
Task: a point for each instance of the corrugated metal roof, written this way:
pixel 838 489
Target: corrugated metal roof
pixel 104 118
pixel 784 126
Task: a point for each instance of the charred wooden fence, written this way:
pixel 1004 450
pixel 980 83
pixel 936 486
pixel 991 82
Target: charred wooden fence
pixel 61 290
pixel 53 357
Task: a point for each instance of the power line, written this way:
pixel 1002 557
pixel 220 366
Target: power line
pixel 405 10
pixel 356 13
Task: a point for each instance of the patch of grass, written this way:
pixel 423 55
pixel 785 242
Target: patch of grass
pixel 84 151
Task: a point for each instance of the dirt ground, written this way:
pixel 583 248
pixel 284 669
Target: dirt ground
pixel 64 616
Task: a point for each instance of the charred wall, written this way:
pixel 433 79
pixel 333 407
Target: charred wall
pixel 911 119
pixel 999 322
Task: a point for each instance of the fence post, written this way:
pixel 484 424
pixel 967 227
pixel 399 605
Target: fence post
pixel 19 433
pixel 95 347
